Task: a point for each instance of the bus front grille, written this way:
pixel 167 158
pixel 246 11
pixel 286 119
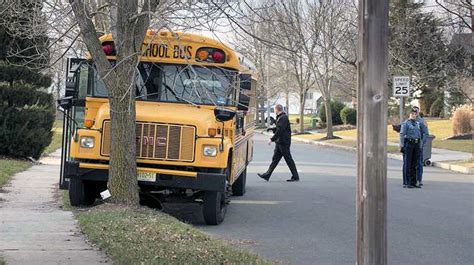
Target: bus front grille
pixel 158 141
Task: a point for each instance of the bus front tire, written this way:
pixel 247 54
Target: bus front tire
pixel 81 193
pixel 238 187
pixel 214 207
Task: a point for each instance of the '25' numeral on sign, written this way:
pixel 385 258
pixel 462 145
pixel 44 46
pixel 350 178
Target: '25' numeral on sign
pixel 401 90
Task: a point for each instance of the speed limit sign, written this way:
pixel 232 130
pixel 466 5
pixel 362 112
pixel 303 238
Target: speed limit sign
pixel 401 86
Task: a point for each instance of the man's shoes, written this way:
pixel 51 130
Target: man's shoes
pixel 405 186
pixel 264 176
pixel 417 186
pixel 410 186
pixel 293 179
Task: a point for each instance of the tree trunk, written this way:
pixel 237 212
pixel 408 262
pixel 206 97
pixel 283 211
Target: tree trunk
pixel 123 182
pixel 128 30
pixel 327 107
pixel 287 102
pixel 261 113
pixel 302 103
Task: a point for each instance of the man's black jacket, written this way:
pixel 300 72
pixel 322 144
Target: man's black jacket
pixel 282 131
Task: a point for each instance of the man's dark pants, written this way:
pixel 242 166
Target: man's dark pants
pixel 411 159
pixel 283 151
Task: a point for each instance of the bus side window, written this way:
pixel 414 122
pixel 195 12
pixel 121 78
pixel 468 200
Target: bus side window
pixel 97 87
pixel 82 92
pixel 83 86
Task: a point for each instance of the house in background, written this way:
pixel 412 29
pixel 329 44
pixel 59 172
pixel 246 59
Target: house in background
pixel 314 101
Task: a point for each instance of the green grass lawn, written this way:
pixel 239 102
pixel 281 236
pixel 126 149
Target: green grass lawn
pixel 343 142
pixel 312 136
pixel 393 149
pixel 145 236
pixel 439 128
pixel 455 145
pixel 8 167
pixel 307 121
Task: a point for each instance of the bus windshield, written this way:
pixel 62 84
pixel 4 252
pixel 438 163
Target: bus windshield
pixel 179 83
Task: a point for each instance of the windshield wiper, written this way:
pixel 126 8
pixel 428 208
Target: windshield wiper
pixel 146 95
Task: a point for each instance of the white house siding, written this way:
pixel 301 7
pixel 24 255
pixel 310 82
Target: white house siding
pixel 311 105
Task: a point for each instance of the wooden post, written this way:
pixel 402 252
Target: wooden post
pixel 402 107
pixel 371 201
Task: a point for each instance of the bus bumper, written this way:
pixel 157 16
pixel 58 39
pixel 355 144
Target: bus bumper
pixel 164 177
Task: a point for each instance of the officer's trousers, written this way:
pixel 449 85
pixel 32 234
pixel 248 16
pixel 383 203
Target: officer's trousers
pixel 282 151
pixel 411 158
pixel 419 174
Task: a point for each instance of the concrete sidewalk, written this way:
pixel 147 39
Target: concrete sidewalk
pixel 33 229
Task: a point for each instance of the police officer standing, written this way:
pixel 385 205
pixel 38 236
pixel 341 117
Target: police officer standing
pixel 424 137
pixel 282 138
pixel 410 145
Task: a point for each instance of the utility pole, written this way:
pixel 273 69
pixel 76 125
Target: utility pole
pixel 371 198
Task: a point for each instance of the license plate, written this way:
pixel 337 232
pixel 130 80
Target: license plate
pixel 146 176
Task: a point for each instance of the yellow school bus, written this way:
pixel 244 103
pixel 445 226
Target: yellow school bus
pixel 195 118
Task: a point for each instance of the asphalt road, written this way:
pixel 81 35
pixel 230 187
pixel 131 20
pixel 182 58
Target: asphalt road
pixel 313 221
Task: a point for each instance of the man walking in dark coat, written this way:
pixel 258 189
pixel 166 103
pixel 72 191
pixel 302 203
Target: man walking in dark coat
pixel 282 139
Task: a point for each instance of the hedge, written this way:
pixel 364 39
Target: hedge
pixel 349 116
pixel 336 108
pixel 26 119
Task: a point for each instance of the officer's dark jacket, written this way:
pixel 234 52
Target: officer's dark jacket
pixel 282 132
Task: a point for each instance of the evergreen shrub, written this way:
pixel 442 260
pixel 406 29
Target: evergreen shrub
pixel 336 108
pixel 26 119
pixel 349 116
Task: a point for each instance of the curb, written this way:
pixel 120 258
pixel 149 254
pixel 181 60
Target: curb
pixel 455 168
pixel 341 147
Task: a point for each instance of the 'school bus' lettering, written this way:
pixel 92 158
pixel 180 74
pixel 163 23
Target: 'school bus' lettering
pixel 164 51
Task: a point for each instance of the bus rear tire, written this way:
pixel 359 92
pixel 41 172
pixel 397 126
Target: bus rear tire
pixel 214 207
pixel 81 193
pixel 238 187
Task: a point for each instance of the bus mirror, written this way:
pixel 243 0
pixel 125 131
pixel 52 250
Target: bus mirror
pixel 245 81
pixel 71 88
pixel 244 102
pixel 65 102
pixel 72 76
pixel 223 115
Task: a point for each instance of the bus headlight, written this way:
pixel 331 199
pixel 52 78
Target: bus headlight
pixel 87 142
pixel 210 150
